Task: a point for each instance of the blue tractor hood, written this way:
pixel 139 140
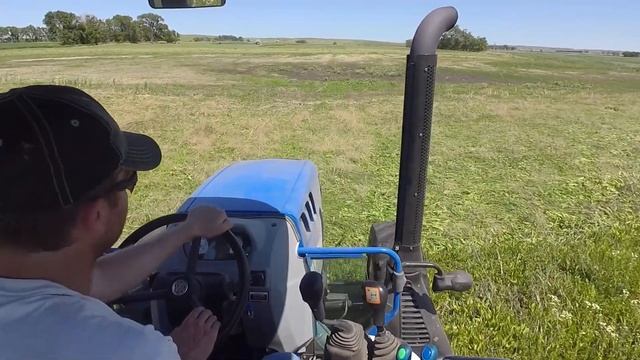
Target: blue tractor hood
pixel 274 187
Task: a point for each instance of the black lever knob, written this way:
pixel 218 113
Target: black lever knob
pixel 312 291
pixel 453 281
pixel 346 341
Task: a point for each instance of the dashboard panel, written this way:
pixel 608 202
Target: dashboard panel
pixel 275 318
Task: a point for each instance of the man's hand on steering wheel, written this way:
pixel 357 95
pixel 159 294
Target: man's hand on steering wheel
pixel 206 221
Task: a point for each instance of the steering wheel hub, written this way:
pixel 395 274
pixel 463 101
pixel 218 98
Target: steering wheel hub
pixel 179 287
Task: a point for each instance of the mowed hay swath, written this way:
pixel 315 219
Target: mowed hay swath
pixel 533 183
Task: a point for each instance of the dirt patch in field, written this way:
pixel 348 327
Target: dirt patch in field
pixel 337 71
pixel 318 59
pixel 325 67
pixel 322 74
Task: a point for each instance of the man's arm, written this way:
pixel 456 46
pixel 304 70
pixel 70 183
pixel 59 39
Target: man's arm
pixel 119 272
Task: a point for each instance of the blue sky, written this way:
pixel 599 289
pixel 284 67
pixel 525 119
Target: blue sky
pixel 610 24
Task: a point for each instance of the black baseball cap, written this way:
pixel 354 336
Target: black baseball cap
pixel 57 144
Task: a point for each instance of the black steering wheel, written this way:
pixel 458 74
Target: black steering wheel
pixel 187 286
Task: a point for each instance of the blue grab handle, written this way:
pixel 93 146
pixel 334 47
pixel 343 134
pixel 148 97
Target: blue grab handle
pixel 354 253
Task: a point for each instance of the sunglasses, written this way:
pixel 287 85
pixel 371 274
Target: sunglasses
pixel 125 184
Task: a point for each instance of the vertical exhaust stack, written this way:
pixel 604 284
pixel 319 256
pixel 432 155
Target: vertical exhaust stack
pixel 418 323
pixel 416 130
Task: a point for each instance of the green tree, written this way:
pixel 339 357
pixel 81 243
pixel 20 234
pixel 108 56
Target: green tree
pixel 152 27
pixel 171 36
pixel 91 30
pixel 460 39
pixel 68 29
pixel 40 34
pixel 229 38
pixel 123 28
pixel 14 33
pixel 30 34
pixel 56 23
pixel 26 34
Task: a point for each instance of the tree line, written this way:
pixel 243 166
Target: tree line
pixel 25 34
pixel 68 28
pixel 460 39
pixel 503 47
pixel 221 38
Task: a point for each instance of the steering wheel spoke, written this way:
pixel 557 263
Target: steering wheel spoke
pixel 140 297
pixel 190 271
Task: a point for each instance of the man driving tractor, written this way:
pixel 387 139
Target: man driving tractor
pixel 66 168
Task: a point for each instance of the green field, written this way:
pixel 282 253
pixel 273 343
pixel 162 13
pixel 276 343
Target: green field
pixel 534 183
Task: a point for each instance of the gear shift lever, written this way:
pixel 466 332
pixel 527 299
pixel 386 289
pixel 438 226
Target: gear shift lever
pixel 312 291
pixel 346 341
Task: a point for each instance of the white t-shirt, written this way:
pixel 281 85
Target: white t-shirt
pixel 43 320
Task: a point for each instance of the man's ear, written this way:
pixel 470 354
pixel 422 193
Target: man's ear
pixel 91 217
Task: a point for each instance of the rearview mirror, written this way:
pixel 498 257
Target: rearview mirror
pixel 182 4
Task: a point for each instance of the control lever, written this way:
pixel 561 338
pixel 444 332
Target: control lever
pixel 347 339
pixel 444 281
pixel 385 345
pixel 312 291
pixel 376 295
pixel 453 281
